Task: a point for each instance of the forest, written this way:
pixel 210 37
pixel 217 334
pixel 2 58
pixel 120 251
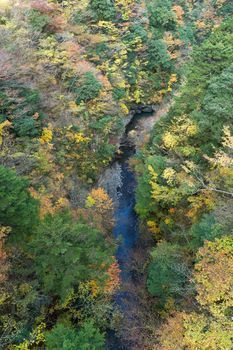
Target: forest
pixel 73 74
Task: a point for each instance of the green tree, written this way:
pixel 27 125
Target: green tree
pixel 68 252
pixel 103 9
pixel 205 229
pixel 87 88
pixel 158 57
pixel 17 207
pixel 64 338
pixel 38 21
pixel 168 274
pixel 161 15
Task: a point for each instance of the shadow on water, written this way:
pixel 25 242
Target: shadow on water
pixel 126 228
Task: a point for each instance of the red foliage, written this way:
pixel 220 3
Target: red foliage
pixel 43 6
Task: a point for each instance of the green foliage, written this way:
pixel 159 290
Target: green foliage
pixel 181 190
pixel 210 59
pixel 20 304
pixel 64 338
pixel 23 110
pixel 203 108
pixel 68 252
pixel 103 9
pixel 207 229
pixel 158 57
pixel 226 9
pixel 118 93
pixel 168 274
pixel 161 14
pixel 17 208
pixel 217 105
pixel 83 66
pixel 87 88
pixel 38 21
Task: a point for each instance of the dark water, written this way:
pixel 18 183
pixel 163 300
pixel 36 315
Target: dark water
pixel 126 229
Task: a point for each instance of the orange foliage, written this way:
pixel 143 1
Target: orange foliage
pixel 46 204
pixel 57 23
pixel 173 45
pixel 84 67
pixel 113 281
pixel 73 49
pixel 179 13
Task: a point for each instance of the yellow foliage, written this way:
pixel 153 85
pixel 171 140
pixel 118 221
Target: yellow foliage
pixel 137 96
pixel 168 221
pixel 168 308
pixel 124 7
pixel 94 288
pixel 3 125
pixel 4 265
pixel 80 138
pixel 192 129
pixel 37 337
pixel 205 200
pixel 90 202
pixel 153 227
pixel 223 158
pixel 124 108
pixel 170 140
pixel 100 199
pixel 73 106
pixel 169 175
pixel 47 135
pixel 182 128
pixel 61 203
pixel 152 172
pixel 89 290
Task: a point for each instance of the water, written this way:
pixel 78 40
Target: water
pixel 127 230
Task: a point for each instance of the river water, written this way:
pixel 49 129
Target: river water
pixel 126 228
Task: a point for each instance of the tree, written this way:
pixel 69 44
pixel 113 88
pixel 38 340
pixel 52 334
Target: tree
pixel 38 21
pixel 205 229
pixel 103 9
pixel 216 111
pixel 161 14
pixel 87 88
pixel 64 338
pixel 213 276
pixel 211 328
pixel 17 207
pixel 168 274
pixel 195 331
pixel 158 57
pixel 68 252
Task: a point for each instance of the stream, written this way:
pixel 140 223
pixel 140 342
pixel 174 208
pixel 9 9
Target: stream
pixel 120 183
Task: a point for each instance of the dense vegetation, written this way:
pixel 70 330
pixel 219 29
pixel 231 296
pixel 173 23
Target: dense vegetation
pixel 185 195
pixel 71 72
